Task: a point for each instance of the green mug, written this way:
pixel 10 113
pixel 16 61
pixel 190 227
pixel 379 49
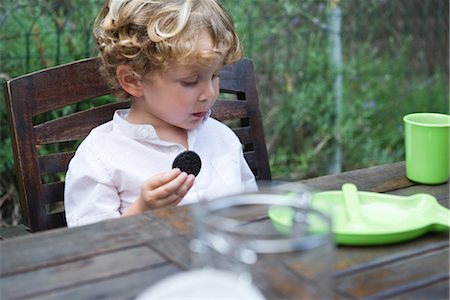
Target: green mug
pixel 427 147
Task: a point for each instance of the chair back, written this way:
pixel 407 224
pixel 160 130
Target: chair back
pixel 50 111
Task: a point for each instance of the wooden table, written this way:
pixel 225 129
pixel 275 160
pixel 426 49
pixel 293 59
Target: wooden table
pixel 118 259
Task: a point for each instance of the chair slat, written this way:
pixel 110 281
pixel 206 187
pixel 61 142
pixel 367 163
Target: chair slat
pixel 77 125
pixel 59 86
pixel 53 192
pixel 57 220
pixel 229 109
pixel 232 77
pixel 55 163
pixel 244 134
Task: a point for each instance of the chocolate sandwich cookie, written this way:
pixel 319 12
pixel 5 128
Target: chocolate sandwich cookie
pixel 188 161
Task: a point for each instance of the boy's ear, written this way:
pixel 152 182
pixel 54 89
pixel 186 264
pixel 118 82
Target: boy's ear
pixel 129 80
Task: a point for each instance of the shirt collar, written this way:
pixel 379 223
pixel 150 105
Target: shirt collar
pixel 135 131
pixel 146 131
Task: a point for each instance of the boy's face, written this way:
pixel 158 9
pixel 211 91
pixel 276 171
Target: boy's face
pixel 182 95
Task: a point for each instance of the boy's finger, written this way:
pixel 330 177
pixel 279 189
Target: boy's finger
pixel 179 194
pixel 170 187
pixel 162 179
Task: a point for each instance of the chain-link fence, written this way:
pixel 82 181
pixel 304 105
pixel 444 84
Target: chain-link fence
pixel 334 77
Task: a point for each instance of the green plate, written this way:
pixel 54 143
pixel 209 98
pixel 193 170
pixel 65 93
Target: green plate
pixel 366 218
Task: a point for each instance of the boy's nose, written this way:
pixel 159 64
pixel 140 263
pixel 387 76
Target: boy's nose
pixel 210 91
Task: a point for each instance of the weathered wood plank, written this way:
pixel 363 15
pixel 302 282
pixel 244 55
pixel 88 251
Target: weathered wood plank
pixel 54 163
pixel 435 291
pixel 64 245
pixel 78 80
pixel 80 272
pixel 440 192
pixel 376 179
pixel 404 274
pixel 414 286
pixel 351 260
pixel 76 126
pixel 176 250
pixel 126 286
pixel 230 109
pixel 244 134
pixel 176 218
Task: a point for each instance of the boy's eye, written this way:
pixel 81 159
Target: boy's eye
pixel 189 83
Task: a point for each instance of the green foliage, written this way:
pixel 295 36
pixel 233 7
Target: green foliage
pixel 385 77
pixel 378 95
pixel 37 33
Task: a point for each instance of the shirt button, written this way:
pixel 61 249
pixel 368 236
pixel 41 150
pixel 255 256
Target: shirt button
pixel 174 148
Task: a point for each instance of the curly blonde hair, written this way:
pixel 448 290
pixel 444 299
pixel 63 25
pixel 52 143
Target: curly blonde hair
pixel 147 35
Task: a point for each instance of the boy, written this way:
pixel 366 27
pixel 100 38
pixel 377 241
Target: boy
pixel 166 56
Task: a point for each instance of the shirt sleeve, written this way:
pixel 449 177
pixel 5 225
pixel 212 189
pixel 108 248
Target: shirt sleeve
pixel 247 177
pixel 90 195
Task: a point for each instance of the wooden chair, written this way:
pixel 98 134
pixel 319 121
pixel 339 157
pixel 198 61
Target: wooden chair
pixel 50 111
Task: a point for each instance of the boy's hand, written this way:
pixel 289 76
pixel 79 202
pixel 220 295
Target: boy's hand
pixel 166 189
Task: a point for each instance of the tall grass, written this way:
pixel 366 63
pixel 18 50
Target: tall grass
pixel 383 80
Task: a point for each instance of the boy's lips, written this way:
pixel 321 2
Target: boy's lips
pixel 199 114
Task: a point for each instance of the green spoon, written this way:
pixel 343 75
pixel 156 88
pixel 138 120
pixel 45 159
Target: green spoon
pixel 352 205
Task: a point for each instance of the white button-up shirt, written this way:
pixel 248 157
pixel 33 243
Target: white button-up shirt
pixel 106 173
